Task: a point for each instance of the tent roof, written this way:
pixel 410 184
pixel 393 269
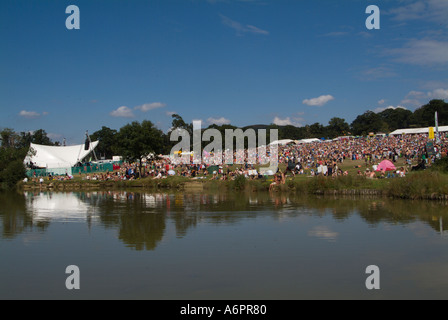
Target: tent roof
pixel 282 142
pixel 417 130
pixel 309 140
pixel 57 156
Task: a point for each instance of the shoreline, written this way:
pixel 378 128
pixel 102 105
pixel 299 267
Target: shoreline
pixel 425 185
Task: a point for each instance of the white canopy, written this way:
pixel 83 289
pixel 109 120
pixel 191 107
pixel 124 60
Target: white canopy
pixel 309 140
pixel 281 142
pixel 417 130
pixel 58 157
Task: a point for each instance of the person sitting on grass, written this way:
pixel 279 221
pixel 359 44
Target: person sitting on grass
pixel 279 178
pixel 158 175
pixel 273 184
pixel 370 174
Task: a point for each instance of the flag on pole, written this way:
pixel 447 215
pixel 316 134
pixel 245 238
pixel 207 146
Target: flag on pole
pixel 437 128
pixel 431 133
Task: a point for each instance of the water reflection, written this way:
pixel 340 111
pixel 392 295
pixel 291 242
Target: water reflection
pixel 15 217
pixel 142 218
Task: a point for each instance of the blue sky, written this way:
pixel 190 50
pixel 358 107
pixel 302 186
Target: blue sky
pixel 221 61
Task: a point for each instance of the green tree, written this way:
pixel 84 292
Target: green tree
pixel 425 115
pixel 137 141
pixel 8 137
pixel 397 118
pixel 25 139
pixel 368 122
pixel 41 137
pixel 12 156
pixel 317 130
pixel 179 123
pixel 337 127
pixel 107 139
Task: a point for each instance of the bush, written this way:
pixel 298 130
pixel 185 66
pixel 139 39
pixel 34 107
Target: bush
pixel 440 165
pixel 239 183
pixel 12 169
pixel 419 185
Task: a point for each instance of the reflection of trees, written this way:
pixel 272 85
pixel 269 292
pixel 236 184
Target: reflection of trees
pixel 141 218
pixel 139 226
pixel 142 230
pixel 184 213
pixel 216 208
pixel 14 215
pixel 376 210
pixel 187 210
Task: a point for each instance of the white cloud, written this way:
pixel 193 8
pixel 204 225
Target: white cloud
pixel 282 122
pixel 419 98
pixel 122 112
pixel 288 121
pixel 170 113
pixel 409 12
pixel 150 106
pixel 240 28
pixel 29 114
pixel 438 94
pixel 218 121
pixel 433 48
pixel 377 73
pixel 381 102
pixel 421 52
pixel 319 101
pixel 427 10
pixel 254 29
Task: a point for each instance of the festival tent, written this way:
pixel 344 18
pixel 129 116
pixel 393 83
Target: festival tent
pixel 386 165
pixel 417 130
pixel 52 157
pixel 308 140
pixel 282 142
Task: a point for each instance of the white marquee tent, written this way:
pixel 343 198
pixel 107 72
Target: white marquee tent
pixel 417 130
pixel 282 142
pixel 52 157
pixel 309 140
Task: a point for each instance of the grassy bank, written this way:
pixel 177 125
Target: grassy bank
pixel 418 185
pixel 80 184
pixel 428 184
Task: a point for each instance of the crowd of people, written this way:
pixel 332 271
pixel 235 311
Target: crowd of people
pixel 324 158
pixel 315 158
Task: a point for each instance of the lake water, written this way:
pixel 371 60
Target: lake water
pixel 188 246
